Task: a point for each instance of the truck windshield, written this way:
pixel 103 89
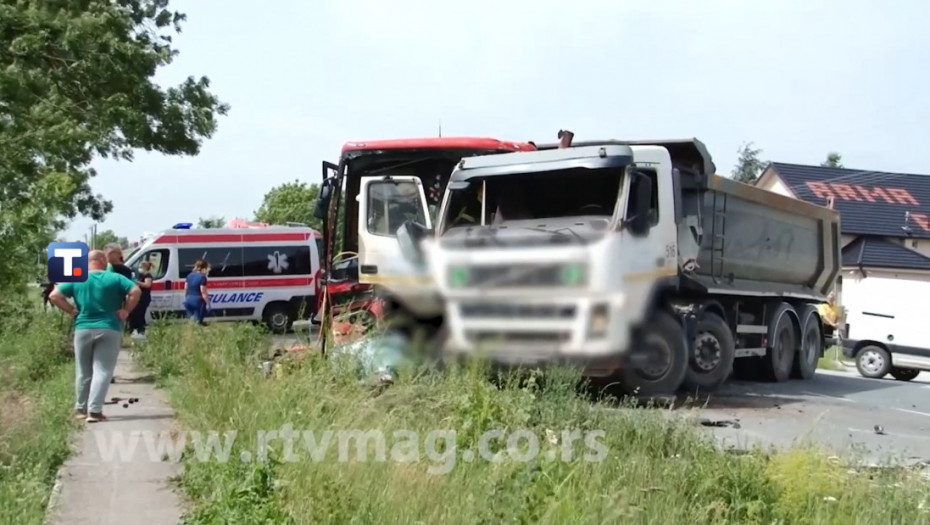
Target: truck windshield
pixel 576 192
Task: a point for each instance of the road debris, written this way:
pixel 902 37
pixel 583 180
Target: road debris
pixel 732 423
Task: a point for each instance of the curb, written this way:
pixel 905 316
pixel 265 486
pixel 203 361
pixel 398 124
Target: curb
pixel 54 496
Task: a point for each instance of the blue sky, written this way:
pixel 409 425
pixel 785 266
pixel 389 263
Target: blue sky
pixel 799 78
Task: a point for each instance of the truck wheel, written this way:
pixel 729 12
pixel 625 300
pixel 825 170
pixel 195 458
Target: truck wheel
pixel 714 351
pixel 779 357
pixel 667 363
pixel 904 374
pixel 873 361
pixel 811 347
pixel 278 317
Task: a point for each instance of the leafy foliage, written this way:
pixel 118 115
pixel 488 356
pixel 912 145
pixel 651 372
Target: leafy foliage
pixel 106 237
pixel 290 202
pixel 211 222
pixel 834 160
pixel 75 83
pixel 748 166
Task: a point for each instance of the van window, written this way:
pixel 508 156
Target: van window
pixel 225 261
pixel 159 260
pixel 277 260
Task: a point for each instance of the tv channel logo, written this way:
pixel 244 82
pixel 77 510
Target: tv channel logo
pixel 67 262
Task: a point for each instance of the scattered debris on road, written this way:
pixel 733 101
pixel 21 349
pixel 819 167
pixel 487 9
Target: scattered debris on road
pixel 731 423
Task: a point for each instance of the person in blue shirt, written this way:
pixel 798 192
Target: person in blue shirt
pixel 195 292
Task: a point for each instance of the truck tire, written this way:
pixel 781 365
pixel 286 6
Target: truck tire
pixel 714 350
pixel 779 356
pixel 278 317
pixel 873 361
pixel 904 374
pixel 663 335
pixel 810 347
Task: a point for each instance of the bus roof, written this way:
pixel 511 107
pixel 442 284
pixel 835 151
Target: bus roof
pixel 466 143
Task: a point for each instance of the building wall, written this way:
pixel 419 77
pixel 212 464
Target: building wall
pixel 774 184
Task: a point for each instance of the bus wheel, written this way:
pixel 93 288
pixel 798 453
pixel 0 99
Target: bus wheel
pixel 667 359
pixel 714 350
pixel 278 317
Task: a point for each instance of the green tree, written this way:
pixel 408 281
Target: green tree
pixel 290 202
pixel 211 222
pixel 106 237
pixel 748 166
pixel 76 82
pixel 834 160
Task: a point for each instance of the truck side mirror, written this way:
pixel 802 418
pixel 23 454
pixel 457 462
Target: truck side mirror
pixel 640 221
pixel 322 202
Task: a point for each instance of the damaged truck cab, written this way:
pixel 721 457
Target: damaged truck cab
pixel 631 259
pixel 376 187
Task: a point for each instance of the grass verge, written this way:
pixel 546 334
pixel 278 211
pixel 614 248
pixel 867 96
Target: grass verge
pixel 36 389
pixel 654 469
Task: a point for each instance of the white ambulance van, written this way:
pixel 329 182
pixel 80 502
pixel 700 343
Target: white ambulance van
pixel 256 274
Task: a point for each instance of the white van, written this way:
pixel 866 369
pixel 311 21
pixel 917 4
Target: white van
pixel 885 328
pixel 256 274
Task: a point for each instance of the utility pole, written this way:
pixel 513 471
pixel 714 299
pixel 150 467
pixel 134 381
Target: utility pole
pixel 440 128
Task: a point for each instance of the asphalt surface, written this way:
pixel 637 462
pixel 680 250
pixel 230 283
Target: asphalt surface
pixel 879 421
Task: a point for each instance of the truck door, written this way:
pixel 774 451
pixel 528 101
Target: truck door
pixel 385 203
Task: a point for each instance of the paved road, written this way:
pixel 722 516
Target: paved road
pixel 836 409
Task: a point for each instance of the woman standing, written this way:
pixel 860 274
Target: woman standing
pixel 144 282
pixel 195 291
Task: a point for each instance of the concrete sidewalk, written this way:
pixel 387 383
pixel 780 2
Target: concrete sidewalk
pixel 97 488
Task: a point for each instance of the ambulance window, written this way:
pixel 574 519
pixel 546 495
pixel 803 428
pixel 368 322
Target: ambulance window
pixel 390 204
pixel 291 259
pixel 224 261
pixel 159 260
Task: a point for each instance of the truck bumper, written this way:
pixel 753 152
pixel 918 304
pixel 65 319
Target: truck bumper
pixel 591 332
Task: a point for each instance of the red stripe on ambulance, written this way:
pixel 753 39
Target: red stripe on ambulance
pixel 231 284
pixel 234 237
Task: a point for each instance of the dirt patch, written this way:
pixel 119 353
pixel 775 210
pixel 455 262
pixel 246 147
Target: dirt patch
pixel 16 416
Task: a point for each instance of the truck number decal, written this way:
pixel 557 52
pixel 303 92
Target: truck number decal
pixel 670 251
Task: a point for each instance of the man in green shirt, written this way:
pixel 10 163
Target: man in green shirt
pixel 101 304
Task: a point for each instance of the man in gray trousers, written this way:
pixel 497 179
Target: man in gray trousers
pixel 101 303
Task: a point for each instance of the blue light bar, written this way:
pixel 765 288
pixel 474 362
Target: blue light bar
pixel 182 226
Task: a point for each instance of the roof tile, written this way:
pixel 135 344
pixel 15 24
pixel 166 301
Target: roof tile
pixel 876 252
pixel 869 202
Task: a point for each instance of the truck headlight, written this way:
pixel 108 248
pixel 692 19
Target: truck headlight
pixel 599 322
pixel 458 276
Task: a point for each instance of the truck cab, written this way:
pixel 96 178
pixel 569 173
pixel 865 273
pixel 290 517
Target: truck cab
pixel 377 187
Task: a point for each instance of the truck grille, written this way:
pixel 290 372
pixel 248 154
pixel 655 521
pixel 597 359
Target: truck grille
pixel 492 337
pixel 515 275
pixel 518 311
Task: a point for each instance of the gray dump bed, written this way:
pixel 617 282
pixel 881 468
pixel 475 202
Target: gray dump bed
pixel 756 241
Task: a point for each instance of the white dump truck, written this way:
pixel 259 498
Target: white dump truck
pixel 631 259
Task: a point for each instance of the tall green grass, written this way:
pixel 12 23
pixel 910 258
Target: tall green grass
pixel 657 469
pixel 36 389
